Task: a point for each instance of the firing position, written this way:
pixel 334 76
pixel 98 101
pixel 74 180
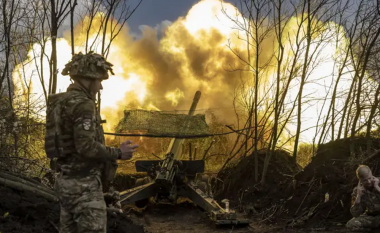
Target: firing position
pixel 365 202
pixel 75 139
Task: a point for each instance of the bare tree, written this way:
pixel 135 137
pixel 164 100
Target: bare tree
pixel 314 13
pixel 9 11
pixel 72 10
pixel 120 10
pixel 369 35
pixel 256 29
pixel 58 9
pixel 342 66
pixel 281 19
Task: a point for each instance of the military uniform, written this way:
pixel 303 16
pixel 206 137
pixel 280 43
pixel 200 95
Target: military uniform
pixel 367 213
pixel 79 183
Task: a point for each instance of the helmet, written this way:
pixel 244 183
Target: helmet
pixel 91 65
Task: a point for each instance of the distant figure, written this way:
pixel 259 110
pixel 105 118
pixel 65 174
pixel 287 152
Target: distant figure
pixel 365 202
pixel 74 137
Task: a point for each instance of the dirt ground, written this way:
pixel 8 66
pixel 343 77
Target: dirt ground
pixel 187 218
pixel 298 197
pixel 21 212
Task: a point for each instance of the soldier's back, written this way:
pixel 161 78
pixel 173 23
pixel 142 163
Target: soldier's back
pixel 78 107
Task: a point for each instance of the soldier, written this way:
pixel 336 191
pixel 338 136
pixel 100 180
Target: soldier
pixel 366 202
pixel 78 146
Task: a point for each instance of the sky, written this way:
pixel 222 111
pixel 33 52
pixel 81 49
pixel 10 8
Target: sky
pixel 157 13
pixel 153 12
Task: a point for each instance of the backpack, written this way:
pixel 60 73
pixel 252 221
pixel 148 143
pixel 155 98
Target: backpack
pixel 56 144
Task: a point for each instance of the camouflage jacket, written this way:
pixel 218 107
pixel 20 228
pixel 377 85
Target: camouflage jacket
pixel 369 203
pixel 81 121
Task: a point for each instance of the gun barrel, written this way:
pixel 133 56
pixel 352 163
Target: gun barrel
pixel 197 96
pixel 175 144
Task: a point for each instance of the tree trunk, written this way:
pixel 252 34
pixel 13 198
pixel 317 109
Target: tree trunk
pixel 274 138
pixel 53 59
pixel 72 9
pixel 363 70
pixel 370 118
pixel 303 77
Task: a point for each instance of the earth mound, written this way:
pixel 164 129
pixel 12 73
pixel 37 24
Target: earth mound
pixel 317 196
pixel 323 189
pixel 237 181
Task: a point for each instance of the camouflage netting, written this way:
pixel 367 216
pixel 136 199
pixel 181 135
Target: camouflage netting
pixel 163 123
pixel 91 65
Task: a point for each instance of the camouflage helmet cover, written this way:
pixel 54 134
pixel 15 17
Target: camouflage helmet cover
pixel 91 65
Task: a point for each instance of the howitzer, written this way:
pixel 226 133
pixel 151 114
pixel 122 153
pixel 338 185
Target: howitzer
pixel 171 177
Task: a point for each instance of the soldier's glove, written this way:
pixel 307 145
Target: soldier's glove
pixel 112 199
pixel 127 150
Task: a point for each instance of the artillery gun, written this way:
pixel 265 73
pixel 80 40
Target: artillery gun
pixel 171 177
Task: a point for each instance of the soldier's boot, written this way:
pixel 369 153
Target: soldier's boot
pixel 112 199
